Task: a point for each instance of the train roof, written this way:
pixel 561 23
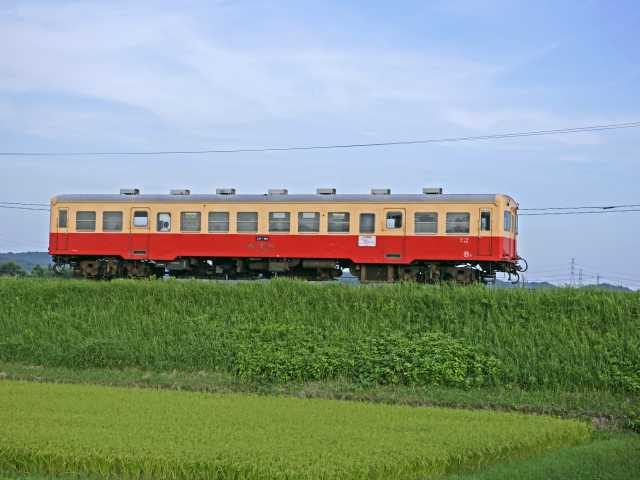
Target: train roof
pixel 267 198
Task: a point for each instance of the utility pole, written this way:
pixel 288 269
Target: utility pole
pixel 580 278
pixel 597 279
pixel 573 272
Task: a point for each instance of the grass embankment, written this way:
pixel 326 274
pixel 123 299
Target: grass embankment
pixel 104 431
pixel 283 330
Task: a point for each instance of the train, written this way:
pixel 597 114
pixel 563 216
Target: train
pixel 379 237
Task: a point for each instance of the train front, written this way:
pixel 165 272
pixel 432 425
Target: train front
pixel 512 264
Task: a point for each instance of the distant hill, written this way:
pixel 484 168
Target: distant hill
pixel 27 260
pixel 540 285
pixel 608 286
pixel 535 285
pixel 503 284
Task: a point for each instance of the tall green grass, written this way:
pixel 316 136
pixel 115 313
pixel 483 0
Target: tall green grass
pixel 130 433
pixel 285 330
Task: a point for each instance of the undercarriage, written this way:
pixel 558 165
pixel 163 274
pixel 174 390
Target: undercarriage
pixel 107 268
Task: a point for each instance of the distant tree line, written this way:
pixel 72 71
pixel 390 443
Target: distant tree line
pixel 13 269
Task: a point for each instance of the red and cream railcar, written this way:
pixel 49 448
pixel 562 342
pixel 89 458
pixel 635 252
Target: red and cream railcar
pixel 379 237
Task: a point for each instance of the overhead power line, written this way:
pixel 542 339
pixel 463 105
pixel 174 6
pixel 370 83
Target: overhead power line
pixel 544 211
pixel 578 213
pixel 594 269
pixel 604 207
pixel 24 208
pixel 25 203
pixel 497 136
pixel 522 214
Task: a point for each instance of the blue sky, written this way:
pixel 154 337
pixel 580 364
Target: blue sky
pixel 191 75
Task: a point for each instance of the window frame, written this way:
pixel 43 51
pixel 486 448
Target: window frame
pixel 182 221
pixel 211 222
pixel 133 219
pixel 373 223
pixel 416 223
pixel 66 218
pixel 78 229
pixel 240 223
pixel 162 230
pixel 480 225
pixel 316 222
pixel 396 226
pixel 507 221
pixel 285 221
pixel 447 223
pixel 347 222
pixel 104 220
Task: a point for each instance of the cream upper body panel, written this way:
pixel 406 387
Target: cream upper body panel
pixel 353 205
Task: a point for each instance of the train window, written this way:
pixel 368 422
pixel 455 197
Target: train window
pixel 279 221
pixel 515 222
pixel 141 219
pixel 485 221
pixel 62 218
pixel 308 222
pixel 507 221
pixel 426 222
pixel 218 221
pixel 112 221
pixel 458 222
pixel 164 222
pixel 367 222
pixel 338 222
pixel 394 220
pixel 247 221
pixel 86 221
pixel 189 221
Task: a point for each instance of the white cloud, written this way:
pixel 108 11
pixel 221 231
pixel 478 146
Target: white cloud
pixel 171 67
pixel 132 70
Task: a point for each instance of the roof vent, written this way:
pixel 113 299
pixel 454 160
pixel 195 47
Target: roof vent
pixel 129 191
pixel 326 191
pixel 278 191
pixel 380 191
pixel 225 191
pixel 432 191
pixel 184 191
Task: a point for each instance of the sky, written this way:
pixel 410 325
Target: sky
pixel 140 76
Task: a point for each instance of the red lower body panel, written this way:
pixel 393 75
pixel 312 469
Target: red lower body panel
pixel 368 249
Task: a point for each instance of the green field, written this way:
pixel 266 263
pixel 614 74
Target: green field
pixel 284 331
pixel 566 352
pixel 55 429
pixel 615 457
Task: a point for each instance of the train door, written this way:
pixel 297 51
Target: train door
pixel 485 229
pixel 62 229
pixel 395 222
pixel 139 223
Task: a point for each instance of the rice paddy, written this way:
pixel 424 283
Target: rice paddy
pixel 107 432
